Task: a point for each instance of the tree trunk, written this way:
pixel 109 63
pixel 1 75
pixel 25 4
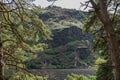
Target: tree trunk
pixel 1 56
pixel 112 39
pixel 101 11
pixel 113 50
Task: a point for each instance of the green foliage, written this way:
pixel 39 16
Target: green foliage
pixel 23 76
pixel 104 71
pixel 99 62
pixel 33 64
pixel 58 18
pixel 23 35
pixel 67 37
pixel 60 57
pixel 80 77
pixel 94 25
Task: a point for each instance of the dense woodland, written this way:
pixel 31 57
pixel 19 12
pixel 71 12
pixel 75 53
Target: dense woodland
pixel 69 47
pixel 32 37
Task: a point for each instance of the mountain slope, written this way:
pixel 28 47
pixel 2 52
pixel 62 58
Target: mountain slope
pixel 69 47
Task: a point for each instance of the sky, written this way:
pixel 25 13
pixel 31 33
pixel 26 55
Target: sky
pixel 71 4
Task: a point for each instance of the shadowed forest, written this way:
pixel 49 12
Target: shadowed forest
pixel 56 43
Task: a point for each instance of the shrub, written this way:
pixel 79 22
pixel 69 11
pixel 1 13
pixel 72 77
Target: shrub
pixel 79 77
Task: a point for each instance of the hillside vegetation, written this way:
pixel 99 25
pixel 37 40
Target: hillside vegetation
pixel 70 47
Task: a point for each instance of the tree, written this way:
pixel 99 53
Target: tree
pixel 53 1
pixel 79 77
pixel 100 7
pixel 18 28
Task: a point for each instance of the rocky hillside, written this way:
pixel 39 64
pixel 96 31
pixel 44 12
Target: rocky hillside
pixel 56 17
pixel 69 47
